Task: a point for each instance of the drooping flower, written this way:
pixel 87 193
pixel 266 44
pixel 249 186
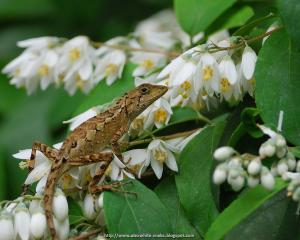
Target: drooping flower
pixel 22 221
pixel 147 62
pixel 38 224
pixel 109 66
pixel 6 226
pixel 248 62
pixel 75 66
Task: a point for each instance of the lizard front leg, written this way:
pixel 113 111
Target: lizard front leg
pixel 105 157
pixel 49 152
pixel 115 146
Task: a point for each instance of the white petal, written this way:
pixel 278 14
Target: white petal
pixel 248 62
pixel 23 154
pixel 157 168
pixel 38 172
pixel 171 162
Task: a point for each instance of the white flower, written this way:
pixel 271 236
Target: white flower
pixel 248 62
pixel 228 70
pixel 245 85
pixel 207 75
pixel 22 221
pixel 35 65
pixel 6 227
pixel 282 167
pixel 223 153
pixel 88 206
pixel 109 66
pixel 41 168
pixel 134 159
pixel 38 224
pixel 39 43
pixel 101 200
pixel 81 118
pixel 158 154
pixel 158 114
pixel 60 206
pixel 75 66
pixel 147 62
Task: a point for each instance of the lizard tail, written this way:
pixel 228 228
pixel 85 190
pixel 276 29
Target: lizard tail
pixel 48 197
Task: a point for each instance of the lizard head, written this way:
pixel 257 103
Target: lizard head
pixel 142 97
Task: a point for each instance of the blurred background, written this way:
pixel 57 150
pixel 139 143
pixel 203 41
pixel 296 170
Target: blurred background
pixel 23 118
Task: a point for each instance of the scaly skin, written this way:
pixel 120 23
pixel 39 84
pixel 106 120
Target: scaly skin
pixel 84 145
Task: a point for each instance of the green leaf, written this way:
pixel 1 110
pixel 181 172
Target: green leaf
pixel 75 212
pixel 195 16
pixel 195 189
pixel 104 94
pixel 290 13
pixel 240 209
pixel 181 114
pixel 277 84
pixel 126 213
pixel 167 193
pixel 234 17
pixel 249 119
pixel 295 151
pixel 274 220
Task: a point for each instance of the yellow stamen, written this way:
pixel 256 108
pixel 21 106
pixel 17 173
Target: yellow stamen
pixel 24 164
pixel 138 123
pixel 66 181
pixel 186 85
pixel 108 170
pixel 74 54
pixel 160 115
pixel 148 64
pixel 207 73
pixel 160 156
pixel 225 85
pixel 79 82
pixel 111 69
pixel 43 70
pixel 136 168
pixel 17 72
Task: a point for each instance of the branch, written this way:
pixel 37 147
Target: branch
pixel 250 40
pixel 86 235
pixel 170 54
pixel 167 137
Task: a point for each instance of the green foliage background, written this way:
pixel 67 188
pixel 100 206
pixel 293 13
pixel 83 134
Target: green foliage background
pixel 24 119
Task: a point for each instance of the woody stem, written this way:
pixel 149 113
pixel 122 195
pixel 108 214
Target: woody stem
pixel 170 54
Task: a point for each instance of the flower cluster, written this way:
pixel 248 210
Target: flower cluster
pixel 236 168
pixel 78 63
pixel 24 218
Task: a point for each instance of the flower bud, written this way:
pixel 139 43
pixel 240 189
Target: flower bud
pixel 6 227
pixel 223 153
pixel 252 181
pixel 22 221
pixel 62 228
pixel 280 141
pixel 267 150
pixel 267 179
pixel 254 166
pixel 100 200
pixel 291 164
pixel 280 152
pixel 235 162
pixel 219 175
pixel 296 194
pixel 237 183
pixel 60 206
pixel 89 207
pixel 38 224
pixel 282 167
pixel 274 170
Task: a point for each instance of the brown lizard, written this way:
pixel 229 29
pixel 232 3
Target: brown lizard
pixel 84 145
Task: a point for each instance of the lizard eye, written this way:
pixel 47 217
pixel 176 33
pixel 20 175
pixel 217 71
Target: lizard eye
pixel 144 90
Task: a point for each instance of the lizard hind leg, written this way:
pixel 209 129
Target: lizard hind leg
pixel 114 186
pixel 49 152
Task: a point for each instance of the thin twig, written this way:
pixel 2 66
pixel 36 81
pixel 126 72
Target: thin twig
pixel 250 40
pixel 170 54
pixel 167 137
pixel 86 235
